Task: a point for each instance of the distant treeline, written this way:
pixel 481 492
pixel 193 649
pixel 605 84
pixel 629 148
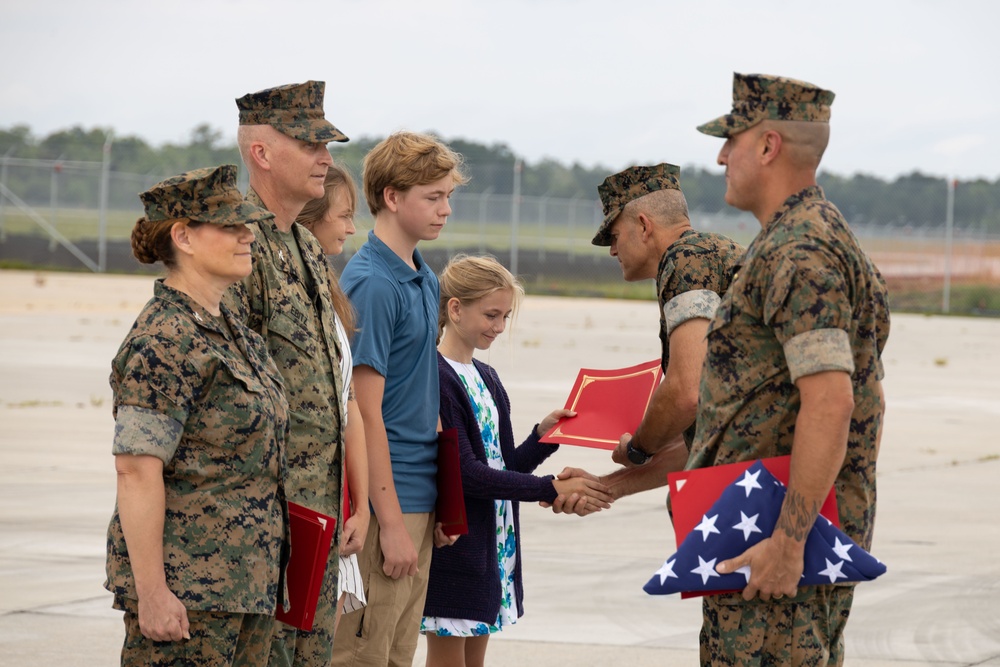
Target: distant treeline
pixel 913 199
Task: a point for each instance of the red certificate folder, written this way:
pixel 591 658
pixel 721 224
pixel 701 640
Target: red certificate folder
pixel 693 492
pixel 311 535
pixel 607 403
pixel 450 510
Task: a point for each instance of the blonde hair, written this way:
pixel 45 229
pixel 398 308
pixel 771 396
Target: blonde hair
pixel 470 278
pixel 337 176
pixel 405 159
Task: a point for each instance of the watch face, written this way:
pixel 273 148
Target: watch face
pixel 636 456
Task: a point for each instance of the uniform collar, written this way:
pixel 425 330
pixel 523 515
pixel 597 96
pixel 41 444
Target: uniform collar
pixel 199 315
pixel 806 194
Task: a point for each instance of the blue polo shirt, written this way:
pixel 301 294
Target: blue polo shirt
pixel 397 329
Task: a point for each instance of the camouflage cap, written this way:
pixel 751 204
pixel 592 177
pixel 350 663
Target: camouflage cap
pixel 759 97
pixel 202 195
pixel 295 110
pixel 619 189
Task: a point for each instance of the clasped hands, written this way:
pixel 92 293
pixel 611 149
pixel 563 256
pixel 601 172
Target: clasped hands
pixel 575 499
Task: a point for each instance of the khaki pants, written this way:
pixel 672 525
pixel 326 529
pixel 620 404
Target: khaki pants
pixel 385 632
pixel 806 631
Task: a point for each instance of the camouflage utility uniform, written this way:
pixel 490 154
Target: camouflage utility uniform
pixel 203 396
pixel 295 315
pixel 692 276
pixel 804 295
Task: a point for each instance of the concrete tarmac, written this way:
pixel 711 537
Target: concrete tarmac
pixel 938 604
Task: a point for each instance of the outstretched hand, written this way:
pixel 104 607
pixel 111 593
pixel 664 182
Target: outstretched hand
pixel 551 419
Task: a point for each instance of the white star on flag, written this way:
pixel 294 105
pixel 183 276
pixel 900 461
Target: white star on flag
pixel 841 549
pixel 666 571
pixel 707 527
pixel 747 525
pixel 705 569
pixel 749 482
pixel 745 571
pixel 833 571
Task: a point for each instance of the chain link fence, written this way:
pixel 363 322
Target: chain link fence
pixel 71 214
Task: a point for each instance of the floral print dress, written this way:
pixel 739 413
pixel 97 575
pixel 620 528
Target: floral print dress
pixel 485 409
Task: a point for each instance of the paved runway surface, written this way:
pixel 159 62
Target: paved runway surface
pixel 939 490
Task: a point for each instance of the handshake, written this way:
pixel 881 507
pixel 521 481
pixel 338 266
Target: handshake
pixel 581 493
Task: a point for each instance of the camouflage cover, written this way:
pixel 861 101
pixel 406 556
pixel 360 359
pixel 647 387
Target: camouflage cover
pixel 759 97
pixel 619 189
pixel 203 195
pixel 295 109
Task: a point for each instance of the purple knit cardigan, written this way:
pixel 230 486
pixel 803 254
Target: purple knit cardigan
pixel 465 578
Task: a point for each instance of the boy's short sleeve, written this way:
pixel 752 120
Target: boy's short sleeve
pixel 377 305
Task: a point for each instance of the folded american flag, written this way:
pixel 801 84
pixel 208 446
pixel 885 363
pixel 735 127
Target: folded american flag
pixel 745 514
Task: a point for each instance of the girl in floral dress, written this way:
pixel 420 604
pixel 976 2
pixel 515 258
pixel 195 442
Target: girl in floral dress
pixel 475 585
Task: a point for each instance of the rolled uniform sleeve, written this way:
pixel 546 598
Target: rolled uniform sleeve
pixel 807 307
pixel 688 306
pixel 153 401
pixel 141 431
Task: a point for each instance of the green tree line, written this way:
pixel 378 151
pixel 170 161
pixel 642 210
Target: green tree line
pixel 913 199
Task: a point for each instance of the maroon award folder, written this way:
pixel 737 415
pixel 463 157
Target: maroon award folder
pixel 607 403
pixel 311 535
pixel 450 509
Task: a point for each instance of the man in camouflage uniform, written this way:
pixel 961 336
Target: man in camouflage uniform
pixel 647 226
pixel 793 367
pixel 195 541
pixel 282 138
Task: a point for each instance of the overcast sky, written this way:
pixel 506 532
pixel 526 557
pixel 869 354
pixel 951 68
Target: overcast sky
pixel 591 81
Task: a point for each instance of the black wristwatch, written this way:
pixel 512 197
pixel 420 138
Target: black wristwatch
pixel 636 455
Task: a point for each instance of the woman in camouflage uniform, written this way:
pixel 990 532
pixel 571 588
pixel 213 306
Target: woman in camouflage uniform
pixel 195 541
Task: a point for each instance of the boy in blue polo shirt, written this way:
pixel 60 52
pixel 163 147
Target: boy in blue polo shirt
pixel 408 181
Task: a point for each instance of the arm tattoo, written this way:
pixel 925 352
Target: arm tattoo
pixel 797 516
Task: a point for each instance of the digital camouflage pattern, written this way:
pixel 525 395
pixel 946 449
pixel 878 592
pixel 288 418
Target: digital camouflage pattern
pixel 619 189
pixel 759 97
pixel 295 315
pixel 295 110
pixel 693 274
pixel 217 640
pixel 202 195
pixel 210 405
pixel 804 272
pixel 806 631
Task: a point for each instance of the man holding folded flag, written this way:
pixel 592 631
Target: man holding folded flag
pixel 792 367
